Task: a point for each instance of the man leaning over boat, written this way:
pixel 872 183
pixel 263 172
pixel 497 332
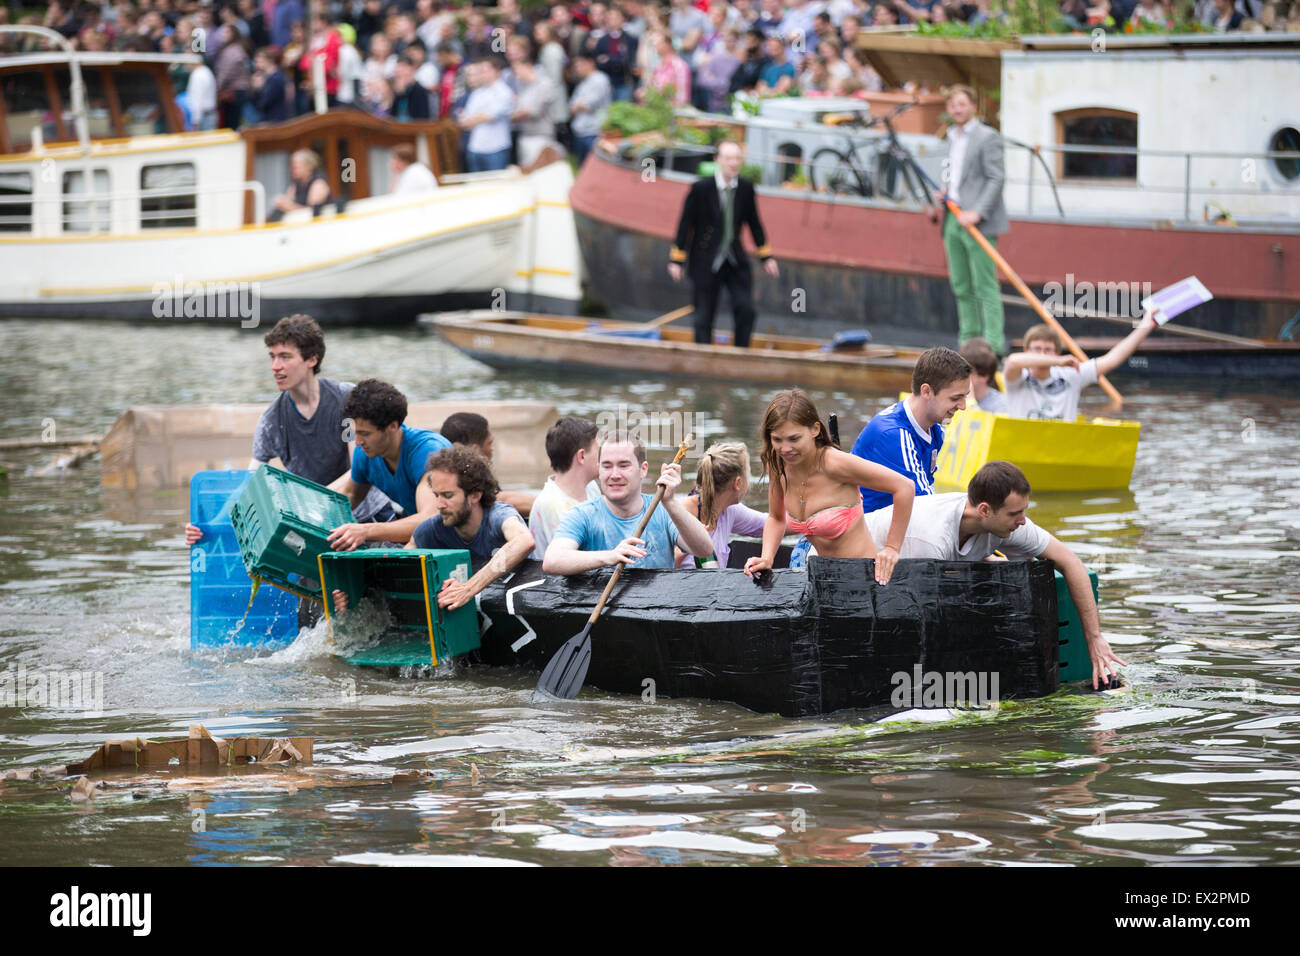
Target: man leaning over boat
pixel 987 518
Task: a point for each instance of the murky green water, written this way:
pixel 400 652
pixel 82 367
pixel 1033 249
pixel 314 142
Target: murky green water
pixel 1195 762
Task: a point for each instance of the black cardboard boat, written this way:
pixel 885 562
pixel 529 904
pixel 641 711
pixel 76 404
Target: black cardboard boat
pixel 798 644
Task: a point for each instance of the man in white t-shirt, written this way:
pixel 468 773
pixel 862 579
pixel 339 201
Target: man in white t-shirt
pixel 1043 383
pixel 409 174
pixel 572 445
pixel 990 517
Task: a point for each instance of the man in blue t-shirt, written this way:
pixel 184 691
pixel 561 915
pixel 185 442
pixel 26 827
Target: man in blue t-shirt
pixel 469 517
pixel 602 532
pixel 392 457
pixel 907 435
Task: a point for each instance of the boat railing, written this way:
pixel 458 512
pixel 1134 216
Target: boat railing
pixel 1142 183
pixel 91 211
pixel 1197 177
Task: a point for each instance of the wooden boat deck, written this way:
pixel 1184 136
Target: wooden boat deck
pixel 511 339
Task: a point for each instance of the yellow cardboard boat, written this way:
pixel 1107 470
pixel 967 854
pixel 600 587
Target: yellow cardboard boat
pixel 1082 455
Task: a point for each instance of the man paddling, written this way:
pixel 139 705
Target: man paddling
pixel 601 533
pixel 470 517
pixel 990 516
pixel 907 435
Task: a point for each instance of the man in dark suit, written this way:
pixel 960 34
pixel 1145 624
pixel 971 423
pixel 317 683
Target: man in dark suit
pixel 708 242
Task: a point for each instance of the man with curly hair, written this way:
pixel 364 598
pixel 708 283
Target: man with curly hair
pixel 471 518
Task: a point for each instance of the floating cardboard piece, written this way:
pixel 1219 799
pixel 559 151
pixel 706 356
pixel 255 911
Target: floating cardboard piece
pixel 162 446
pixel 200 749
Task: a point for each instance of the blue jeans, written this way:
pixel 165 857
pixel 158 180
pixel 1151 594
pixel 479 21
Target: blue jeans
pixel 582 146
pixel 487 162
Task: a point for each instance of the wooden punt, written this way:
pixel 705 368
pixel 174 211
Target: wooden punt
pixel 511 339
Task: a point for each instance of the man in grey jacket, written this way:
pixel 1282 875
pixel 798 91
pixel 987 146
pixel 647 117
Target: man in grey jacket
pixel 973 179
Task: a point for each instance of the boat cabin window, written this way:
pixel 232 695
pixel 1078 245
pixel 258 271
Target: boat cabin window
pixel 141 102
pixel 15 202
pixel 27 106
pixel 167 196
pixel 99 114
pixel 1286 140
pixel 83 212
pixel 1097 127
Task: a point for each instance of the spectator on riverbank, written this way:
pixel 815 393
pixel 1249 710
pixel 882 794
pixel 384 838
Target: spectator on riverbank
pixel 411 101
pixel 486 116
pixel 672 76
pixel 269 89
pixel 589 104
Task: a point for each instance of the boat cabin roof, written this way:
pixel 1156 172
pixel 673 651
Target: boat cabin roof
pixel 19 61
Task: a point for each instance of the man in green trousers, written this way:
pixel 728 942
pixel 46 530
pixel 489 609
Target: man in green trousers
pixel 973 178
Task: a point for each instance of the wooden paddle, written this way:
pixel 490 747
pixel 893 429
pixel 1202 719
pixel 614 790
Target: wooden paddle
pixel 567 669
pixel 669 317
pixel 1033 301
pixel 1010 273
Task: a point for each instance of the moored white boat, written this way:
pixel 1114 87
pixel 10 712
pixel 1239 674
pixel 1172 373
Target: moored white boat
pixel 138 219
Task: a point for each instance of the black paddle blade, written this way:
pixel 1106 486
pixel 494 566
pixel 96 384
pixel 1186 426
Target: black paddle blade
pixel 567 669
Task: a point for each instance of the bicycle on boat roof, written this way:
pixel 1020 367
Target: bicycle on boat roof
pixel 878 169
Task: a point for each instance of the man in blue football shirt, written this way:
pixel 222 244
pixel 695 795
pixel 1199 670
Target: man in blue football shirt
pixel 391 456
pixel 907 435
pixel 602 532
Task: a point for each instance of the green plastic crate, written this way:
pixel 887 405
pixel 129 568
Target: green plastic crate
pixel 1075 662
pixel 282 522
pixel 409 580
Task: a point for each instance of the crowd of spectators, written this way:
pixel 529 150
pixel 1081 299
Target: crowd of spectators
pixel 545 76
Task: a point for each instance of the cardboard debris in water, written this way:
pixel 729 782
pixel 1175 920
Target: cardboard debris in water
pixel 200 749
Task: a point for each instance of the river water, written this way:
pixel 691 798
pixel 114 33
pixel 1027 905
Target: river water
pixel 1194 761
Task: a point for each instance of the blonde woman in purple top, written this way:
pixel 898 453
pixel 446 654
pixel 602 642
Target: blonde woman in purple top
pixel 721 484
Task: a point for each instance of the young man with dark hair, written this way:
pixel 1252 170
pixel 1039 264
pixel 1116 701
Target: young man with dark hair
pixel 983 376
pixel 602 533
pixel 303 426
pixel 468 428
pixel 907 435
pixel 1043 383
pixel 472 430
pixel 390 456
pixel 571 445
pixel 990 516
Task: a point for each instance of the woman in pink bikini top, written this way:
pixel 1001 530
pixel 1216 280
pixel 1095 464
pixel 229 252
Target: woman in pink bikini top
pixel 810 485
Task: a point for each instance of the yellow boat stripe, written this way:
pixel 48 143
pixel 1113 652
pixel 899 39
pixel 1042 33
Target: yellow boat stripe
pixel 428 611
pixel 324 592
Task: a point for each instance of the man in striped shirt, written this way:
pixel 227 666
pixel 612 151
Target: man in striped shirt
pixel 672 71
pixel 907 435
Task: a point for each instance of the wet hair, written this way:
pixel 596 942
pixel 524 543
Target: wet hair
pixel 567 437
pixel 472 471
pixel 302 332
pixel 995 482
pixel 376 402
pixel 465 428
pixel 722 464
pixel 1044 333
pixel 982 359
pixel 625 438
pixel 938 367
pixel 792 405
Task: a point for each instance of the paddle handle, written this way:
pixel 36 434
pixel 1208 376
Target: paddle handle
pixel 670 317
pixel 1032 299
pixel 649 512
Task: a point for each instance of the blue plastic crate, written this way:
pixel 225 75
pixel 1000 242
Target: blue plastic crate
pixel 219 585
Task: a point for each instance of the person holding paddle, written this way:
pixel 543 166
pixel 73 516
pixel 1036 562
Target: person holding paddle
pixel 813 488
pixel 604 532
